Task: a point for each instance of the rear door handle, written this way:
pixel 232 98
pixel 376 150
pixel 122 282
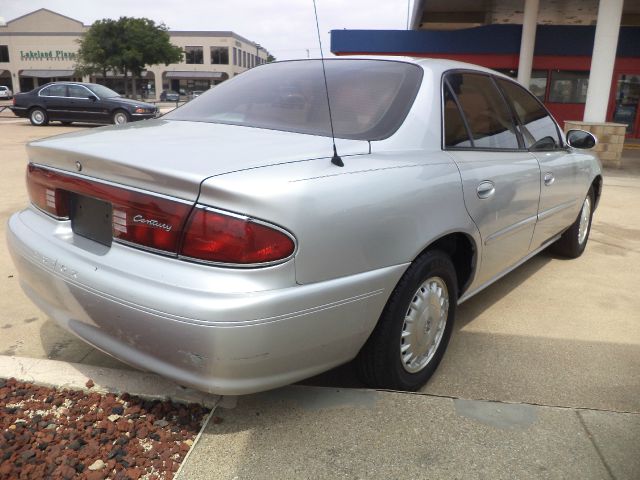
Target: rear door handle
pixel 549 179
pixel 486 189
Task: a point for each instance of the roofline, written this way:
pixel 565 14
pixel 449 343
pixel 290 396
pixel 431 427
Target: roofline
pixel 45 10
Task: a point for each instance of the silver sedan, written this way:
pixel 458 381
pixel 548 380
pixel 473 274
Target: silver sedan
pixel 277 226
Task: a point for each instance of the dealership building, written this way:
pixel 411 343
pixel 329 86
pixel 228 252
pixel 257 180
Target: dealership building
pixel 41 47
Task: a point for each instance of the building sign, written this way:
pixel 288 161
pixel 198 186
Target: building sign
pixel 53 55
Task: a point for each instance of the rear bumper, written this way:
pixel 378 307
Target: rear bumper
pixel 219 330
pixel 19 111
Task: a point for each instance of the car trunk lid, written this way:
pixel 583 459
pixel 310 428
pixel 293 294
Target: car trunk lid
pixel 174 157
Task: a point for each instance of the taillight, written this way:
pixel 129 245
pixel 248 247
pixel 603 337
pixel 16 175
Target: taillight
pixel 217 237
pixel 159 223
pixel 139 218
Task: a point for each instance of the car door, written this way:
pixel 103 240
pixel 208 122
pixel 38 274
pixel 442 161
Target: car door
pixel 54 98
pixel 81 106
pixel 561 176
pixel 500 178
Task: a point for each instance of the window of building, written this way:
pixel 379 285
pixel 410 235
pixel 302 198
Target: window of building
pixel 487 114
pixel 235 56
pixel 54 91
pixel 538 83
pixel 568 87
pixel 538 129
pixel 4 53
pixel 244 59
pixel 193 55
pixel 220 55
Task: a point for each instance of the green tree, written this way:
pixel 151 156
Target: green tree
pixel 126 46
pixel 270 58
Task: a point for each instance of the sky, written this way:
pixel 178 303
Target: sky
pixel 286 28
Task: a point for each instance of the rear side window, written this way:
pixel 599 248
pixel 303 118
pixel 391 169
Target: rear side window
pixel 54 91
pixel 485 110
pixel 455 131
pixel 536 125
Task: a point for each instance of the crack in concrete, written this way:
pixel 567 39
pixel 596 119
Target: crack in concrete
pixel 595 446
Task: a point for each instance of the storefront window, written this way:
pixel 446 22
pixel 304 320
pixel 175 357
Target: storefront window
pixel 538 83
pixel 220 55
pixel 193 55
pixel 568 87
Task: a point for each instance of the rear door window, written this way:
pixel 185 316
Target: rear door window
pixel 487 114
pixel 538 129
pixel 54 91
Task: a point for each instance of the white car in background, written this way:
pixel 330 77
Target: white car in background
pixel 5 92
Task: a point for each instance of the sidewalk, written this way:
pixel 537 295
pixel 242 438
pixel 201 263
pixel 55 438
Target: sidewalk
pixel 302 432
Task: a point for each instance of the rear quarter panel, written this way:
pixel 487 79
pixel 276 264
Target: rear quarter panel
pixel 379 210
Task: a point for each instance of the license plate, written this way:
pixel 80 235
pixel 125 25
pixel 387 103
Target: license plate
pixel 91 218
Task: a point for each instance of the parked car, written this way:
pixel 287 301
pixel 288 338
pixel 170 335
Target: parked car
pixel 169 96
pixel 233 247
pixel 5 92
pixel 196 93
pixel 79 102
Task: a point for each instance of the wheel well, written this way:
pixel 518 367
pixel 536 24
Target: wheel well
pixel 597 189
pixel 463 253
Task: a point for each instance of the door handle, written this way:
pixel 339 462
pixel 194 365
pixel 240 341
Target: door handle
pixel 549 179
pixel 486 189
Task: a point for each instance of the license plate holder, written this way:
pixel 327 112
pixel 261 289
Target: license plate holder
pixel 92 218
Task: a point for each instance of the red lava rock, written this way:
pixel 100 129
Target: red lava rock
pixel 49 445
pixel 89 384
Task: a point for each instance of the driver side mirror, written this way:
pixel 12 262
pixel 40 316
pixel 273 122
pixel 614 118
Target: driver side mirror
pixel 581 139
pixel 93 98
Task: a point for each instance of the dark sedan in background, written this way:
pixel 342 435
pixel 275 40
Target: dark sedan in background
pixel 79 102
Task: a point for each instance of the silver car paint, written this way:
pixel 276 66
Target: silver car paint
pixel 235 331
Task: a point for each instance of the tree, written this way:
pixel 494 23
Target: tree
pixel 270 58
pixel 126 45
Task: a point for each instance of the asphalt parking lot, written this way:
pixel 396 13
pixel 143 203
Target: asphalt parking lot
pixel 554 333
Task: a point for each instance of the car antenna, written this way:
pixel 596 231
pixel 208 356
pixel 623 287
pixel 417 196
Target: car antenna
pixel 336 160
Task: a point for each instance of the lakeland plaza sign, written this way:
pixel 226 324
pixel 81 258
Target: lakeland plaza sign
pixel 54 55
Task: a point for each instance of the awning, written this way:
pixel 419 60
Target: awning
pixel 211 75
pixel 46 73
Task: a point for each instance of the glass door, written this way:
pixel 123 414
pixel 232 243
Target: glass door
pixel 627 102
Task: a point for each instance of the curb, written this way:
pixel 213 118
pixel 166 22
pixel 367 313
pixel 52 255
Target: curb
pixel 54 373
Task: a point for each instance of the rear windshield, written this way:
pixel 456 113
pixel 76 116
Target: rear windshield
pixel 369 98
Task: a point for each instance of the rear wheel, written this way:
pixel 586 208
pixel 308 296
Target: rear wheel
pixel 120 117
pixel 574 240
pixel 38 117
pixel 413 332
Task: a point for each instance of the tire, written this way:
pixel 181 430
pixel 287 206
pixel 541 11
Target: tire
pixel 574 240
pixel 120 117
pixel 38 117
pixel 428 286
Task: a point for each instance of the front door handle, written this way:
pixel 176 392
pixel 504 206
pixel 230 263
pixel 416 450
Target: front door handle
pixel 549 179
pixel 486 189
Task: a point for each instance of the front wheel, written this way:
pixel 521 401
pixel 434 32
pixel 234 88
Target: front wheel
pixel 574 240
pixel 413 332
pixel 38 117
pixel 120 117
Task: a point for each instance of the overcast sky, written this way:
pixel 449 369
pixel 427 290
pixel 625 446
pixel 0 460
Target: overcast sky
pixel 284 27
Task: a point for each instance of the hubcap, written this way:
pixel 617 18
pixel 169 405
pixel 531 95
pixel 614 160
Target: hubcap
pixel 121 118
pixel 424 324
pixel 585 216
pixel 38 116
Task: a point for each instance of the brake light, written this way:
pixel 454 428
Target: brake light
pixel 162 224
pixel 139 218
pixel 216 237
